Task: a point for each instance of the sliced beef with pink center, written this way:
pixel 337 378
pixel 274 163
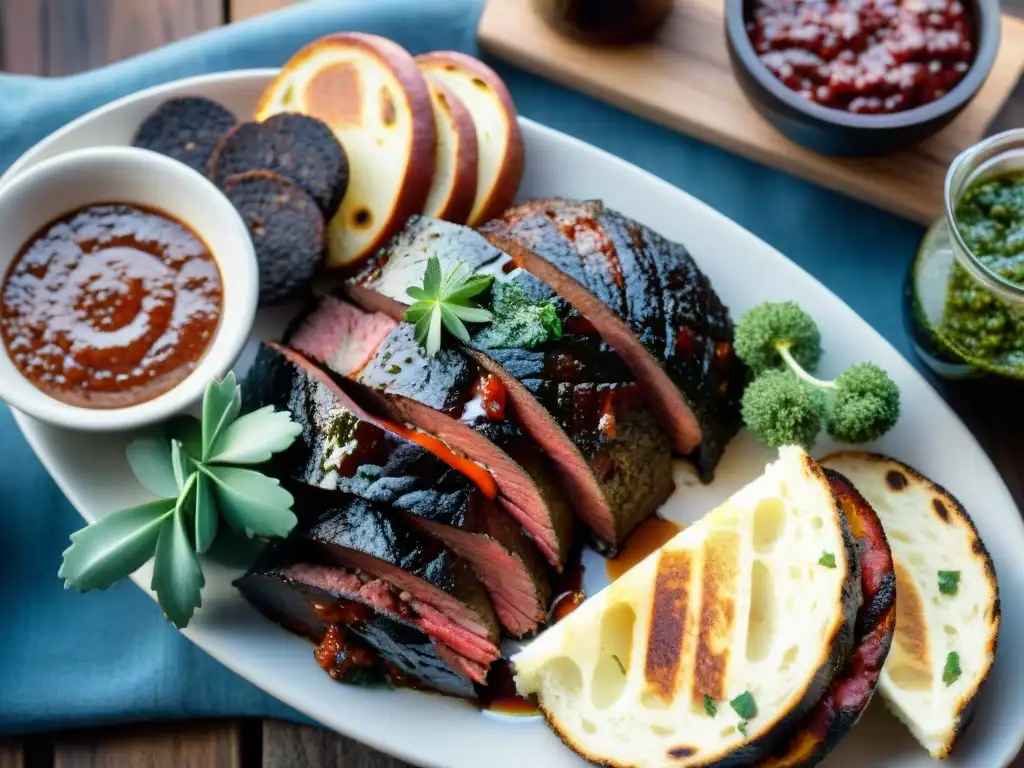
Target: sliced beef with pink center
pixel 648 300
pixel 438 395
pixel 439 586
pixel 454 511
pixel 306 598
pixel 342 447
pixel 574 396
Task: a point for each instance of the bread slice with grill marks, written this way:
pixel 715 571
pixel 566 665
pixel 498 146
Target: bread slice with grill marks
pixel 373 96
pixel 929 531
pixel 753 604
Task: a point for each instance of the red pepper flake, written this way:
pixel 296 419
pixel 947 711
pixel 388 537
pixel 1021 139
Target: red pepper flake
pixel 491 392
pixel 685 341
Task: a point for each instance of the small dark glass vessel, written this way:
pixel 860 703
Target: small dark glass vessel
pixel 605 22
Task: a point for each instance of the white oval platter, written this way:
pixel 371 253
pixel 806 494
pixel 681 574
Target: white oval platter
pixel 437 732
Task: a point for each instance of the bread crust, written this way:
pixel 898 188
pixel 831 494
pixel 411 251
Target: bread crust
pixel 419 169
pixel 462 193
pixel 506 184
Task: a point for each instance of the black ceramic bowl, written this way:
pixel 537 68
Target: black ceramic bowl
pixel 837 132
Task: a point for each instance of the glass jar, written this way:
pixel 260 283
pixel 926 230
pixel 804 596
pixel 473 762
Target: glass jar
pixel 965 310
pixel 605 21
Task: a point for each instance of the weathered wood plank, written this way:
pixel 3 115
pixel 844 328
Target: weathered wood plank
pixel 11 754
pixel 61 37
pixel 246 9
pixel 294 746
pixel 185 745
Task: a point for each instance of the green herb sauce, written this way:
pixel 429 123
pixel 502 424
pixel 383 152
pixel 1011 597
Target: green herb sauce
pixel 990 218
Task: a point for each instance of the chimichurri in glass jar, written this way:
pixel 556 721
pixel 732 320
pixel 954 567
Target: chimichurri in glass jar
pixel 965 292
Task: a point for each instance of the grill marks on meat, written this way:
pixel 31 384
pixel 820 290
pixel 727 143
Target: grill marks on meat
pixel 451 510
pixel 438 586
pixel 638 291
pixel 402 384
pixel 579 400
pixel 574 397
pixel 307 598
pixel 339 448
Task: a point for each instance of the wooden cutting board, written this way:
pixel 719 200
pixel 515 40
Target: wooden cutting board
pixel 683 79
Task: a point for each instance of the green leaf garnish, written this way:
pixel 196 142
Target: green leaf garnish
pixel 114 546
pixel 744 706
pixel 251 503
pixel 177 577
pixel 618 661
pixel 444 301
pixel 206 515
pixel 519 322
pixel 951 672
pixel 150 460
pixel 178 465
pixel 221 405
pixel 742 727
pixel 949 582
pixel 827 559
pixel 709 706
pixel 255 437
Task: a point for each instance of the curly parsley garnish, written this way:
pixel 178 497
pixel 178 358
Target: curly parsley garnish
pixel 444 300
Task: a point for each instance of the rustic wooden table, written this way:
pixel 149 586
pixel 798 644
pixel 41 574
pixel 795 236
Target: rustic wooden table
pixel 59 37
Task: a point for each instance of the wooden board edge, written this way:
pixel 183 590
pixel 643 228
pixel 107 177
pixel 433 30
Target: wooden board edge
pixel 921 207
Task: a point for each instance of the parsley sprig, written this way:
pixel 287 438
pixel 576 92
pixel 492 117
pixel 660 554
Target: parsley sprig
pixel 445 300
pixel 191 468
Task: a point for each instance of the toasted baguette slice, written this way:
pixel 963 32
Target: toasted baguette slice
pixel 373 96
pixel 929 531
pixel 453 190
pixel 500 167
pixel 737 603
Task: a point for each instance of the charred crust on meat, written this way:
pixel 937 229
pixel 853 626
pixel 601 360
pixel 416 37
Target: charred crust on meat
pixel 187 129
pixel 287 230
pixel 300 148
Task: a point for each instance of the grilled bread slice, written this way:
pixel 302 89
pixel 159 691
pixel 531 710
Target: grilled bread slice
pixel 947 599
pixel 372 95
pixel 453 190
pixel 500 166
pixel 717 644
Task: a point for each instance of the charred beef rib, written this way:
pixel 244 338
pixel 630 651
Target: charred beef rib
pixel 447 396
pixel 650 302
pixel 331 606
pixel 342 447
pixel 574 396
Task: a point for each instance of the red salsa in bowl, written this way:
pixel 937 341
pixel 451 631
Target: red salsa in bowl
pixel 865 56
pixel 110 306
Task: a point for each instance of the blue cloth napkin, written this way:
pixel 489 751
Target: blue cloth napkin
pixel 71 660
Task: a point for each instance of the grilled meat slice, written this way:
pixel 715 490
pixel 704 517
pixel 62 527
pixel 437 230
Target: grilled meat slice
pixel 443 396
pixel 308 599
pixel 574 396
pixel 438 585
pixel 649 301
pixel 342 447
pixel 452 510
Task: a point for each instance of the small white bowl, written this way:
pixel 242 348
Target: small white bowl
pixel 63 184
